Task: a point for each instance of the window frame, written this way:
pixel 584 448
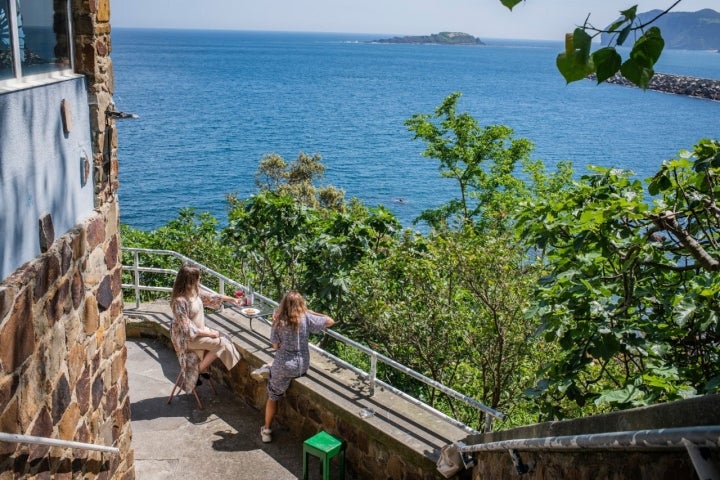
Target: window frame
pixel 19 81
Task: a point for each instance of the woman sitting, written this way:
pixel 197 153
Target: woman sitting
pixel 188 332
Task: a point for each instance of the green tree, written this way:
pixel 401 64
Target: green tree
pixel 345 240
pixel 270 233
pixel 631 294
pixel 297 235
pixel 298 180
pixel 482 160
pixel 451 306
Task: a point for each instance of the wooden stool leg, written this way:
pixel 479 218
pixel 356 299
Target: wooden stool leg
pixel 175 387
pixel 212 384
pixel 197 399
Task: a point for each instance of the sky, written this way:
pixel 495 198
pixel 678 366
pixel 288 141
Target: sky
pixel 531 19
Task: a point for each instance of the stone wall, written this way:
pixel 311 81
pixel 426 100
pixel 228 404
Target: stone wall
pixel 91 21
pixel 62 365
pixel 62 332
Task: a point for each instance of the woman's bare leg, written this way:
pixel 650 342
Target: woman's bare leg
pixel 270 409
pixel 207 360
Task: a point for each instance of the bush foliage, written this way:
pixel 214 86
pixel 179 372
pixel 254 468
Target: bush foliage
pixel 542 295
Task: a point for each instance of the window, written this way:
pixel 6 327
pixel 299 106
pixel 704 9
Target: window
pixel 34 38
pixel 6 57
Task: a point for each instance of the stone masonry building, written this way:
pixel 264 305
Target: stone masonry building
pixel 62 333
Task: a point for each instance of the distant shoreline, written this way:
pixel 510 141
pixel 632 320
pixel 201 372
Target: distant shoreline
pixel 442 38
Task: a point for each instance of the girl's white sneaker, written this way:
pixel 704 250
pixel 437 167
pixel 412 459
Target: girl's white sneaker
pixel 261 374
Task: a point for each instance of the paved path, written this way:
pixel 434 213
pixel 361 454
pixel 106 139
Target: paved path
pixel 180 441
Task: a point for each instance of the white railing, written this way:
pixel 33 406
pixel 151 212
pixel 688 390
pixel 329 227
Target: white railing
pixel 689 438
pixel 52 442
pixel 137 269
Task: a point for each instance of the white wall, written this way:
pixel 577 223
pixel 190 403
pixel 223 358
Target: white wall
pixel 41 166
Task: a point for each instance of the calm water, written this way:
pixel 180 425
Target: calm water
pixel 212 103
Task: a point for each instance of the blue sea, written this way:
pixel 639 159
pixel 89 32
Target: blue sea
pixel 212 103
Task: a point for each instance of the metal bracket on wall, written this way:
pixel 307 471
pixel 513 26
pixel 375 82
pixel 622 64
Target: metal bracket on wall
pixel 520 467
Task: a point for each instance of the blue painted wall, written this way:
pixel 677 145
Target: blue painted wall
pixel 42 166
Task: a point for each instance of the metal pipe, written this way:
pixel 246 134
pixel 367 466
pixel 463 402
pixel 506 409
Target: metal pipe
pixel 52 442
pixel 373 372
pixel 136 276
pixel 147 289
pixel 418 376
pixel 396 391
pixel 702 464
pixel 649 439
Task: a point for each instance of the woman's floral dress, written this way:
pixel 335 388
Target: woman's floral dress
pixel 183 330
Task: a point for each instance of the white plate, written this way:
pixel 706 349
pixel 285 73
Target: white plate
pixel 249 311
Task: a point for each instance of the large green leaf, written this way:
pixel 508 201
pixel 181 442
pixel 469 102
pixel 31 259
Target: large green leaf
pixel 659 183
pixel 637 73
pixel 646 51
pixel 623 35
pixel 607 62
pixel 510 3
pixel 648 48
pixel 575 63
pixel 630 13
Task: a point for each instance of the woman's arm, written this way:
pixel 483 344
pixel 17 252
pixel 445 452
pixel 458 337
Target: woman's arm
pixel 329 322
pixel 215 300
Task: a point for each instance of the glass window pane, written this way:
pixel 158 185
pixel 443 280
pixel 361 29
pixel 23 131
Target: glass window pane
pixel 6 59
pixel 43 36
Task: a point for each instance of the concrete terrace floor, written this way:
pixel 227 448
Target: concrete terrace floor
pixel 181 441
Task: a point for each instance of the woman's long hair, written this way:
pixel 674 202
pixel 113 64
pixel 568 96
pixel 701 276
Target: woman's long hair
pixel 291 309
pixel 187 279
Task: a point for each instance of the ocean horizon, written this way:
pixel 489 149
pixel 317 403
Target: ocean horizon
pixel 211 103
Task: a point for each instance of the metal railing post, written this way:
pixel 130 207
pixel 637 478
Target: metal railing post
pixel 373 372
pixel 136 267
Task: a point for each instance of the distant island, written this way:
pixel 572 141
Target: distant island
pixel 684 30
pixel 442 38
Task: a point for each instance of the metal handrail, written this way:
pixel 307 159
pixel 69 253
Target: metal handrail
pixel 374 356
pixel 689 438
pixel 53 442
pixel 650 439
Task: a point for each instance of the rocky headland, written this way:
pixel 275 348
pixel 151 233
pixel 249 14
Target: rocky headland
pixel 677 84
pixel 682 30
pixel 442 38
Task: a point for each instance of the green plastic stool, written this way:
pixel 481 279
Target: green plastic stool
pixel 324 446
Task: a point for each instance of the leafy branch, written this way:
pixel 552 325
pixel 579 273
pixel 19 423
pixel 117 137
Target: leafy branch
pixel 578 62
